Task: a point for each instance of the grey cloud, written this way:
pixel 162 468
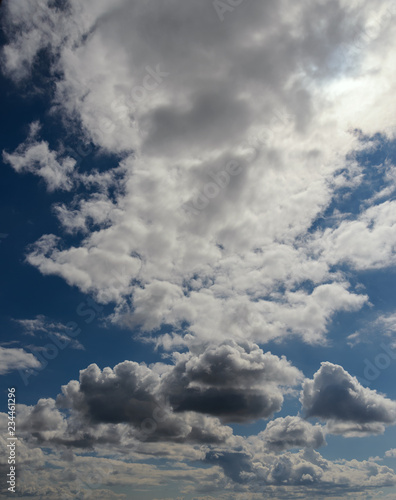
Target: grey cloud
pixel 334 395
pixel 233 464
pixel 292 432
pixel 236 383
pixel 131 394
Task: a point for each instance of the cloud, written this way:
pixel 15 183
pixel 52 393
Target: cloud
pixel 366 242
pixel 54 330
pixel 237 383
pixel 336 397
pixel 36 157
pixel 384 325
pixel 173 95
pixel 232 382
pixel 178 124
pixel 391 453
pixel 292 432
pixel 132 394
pixel 16 359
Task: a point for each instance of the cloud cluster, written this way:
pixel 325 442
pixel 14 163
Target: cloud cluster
pixel 130 412
pixel 227 260
pixel 180 109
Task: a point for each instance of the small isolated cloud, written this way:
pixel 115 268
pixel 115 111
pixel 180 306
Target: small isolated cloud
pixel 348 408
pixel 383 325
pixel 16 359
pixel 52 329
pixel 391 453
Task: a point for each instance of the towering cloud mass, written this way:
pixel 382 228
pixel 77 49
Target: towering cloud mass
pixel 224 129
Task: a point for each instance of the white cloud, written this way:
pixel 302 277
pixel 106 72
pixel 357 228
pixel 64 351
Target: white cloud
pixel 184 121
pixel 41 326
pixel 14 358
pixel 365 243
pixel 36 157
pixel 275 88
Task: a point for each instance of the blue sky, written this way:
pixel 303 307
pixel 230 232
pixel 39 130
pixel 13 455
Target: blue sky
pixel 198 249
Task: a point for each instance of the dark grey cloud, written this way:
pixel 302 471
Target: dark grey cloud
pixel 335 396
pixel 235 382
pixel 131 394
pixel 233 463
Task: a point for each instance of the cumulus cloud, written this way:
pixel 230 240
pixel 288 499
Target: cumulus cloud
pixel 132 394
pixel 15 358
pixel 292 432
pixel 364 243
pixel 242 249
pixel 336 397
pixel 304 474
pixel 209 224
pixel 232 382
pixel 237 383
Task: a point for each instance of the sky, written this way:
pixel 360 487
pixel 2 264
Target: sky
pixel 198 248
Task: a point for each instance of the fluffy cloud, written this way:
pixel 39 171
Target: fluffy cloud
pixel 180 403
pixel 36 157
pixel 305 473
pixel 243 246
pixel 292 432
pixel 234 139
pixel 14 358
pixel 133 395
pixel 364 243
pixel 333 395
pixel 237 383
